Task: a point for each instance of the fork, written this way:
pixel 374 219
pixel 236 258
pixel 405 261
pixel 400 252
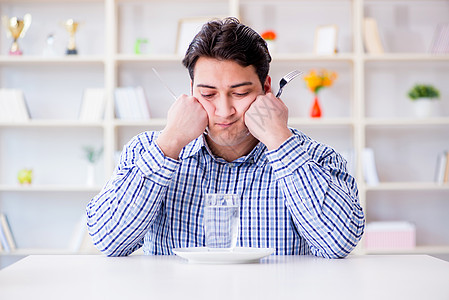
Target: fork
pixel 286 79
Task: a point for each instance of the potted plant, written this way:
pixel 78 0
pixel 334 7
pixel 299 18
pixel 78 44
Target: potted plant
pixel 422 96
pixel 315 82
pixel 92 156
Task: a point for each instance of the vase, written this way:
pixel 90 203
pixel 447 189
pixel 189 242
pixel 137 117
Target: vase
pixel 424 107
pixel 90 178
pixel 271 45
pixel 315 111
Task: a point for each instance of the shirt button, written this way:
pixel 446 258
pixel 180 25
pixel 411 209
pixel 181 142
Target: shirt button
pixel 231 165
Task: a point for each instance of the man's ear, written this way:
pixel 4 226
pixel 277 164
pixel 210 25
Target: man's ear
pixel 191 87
pixel 267 85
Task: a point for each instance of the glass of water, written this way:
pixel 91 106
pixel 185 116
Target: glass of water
pixel 221 220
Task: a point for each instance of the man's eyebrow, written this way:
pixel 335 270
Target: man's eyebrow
pixel 241 84
pixel 232 86
pixel 205 86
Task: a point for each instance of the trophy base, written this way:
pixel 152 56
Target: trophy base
pixel 71 52
pixel 15 52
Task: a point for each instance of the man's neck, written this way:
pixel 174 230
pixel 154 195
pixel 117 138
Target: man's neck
pixel 231 153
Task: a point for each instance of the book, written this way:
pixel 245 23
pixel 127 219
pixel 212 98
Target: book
pixel 7 237
pixel 131 104
pixel 7 109
pixel 93 105
pixel 441 167
pixel 369 167
pixel 143 103
pixel 446 169
pixel 4 241
pixel 122 106
pixel 440 40
pixel 4 110
pixel 13 106
pixel 22 111
pixel 371 36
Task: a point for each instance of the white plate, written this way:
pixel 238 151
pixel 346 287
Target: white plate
pixel 211 256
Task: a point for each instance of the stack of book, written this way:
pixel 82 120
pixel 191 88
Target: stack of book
pixel 13 107
pixel 131 104
pixel 93 105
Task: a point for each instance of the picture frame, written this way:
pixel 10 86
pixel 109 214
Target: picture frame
pixel 187 29
pixel 326 39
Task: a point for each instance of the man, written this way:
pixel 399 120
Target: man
pixel 229 136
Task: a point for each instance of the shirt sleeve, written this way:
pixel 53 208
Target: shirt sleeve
pixel 120 215
pixel 320 195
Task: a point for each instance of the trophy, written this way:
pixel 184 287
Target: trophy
pixel 16 28
pixel 71 26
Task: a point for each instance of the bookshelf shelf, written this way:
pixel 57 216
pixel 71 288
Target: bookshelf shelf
pixel 289 57
pixel 407 186
pixel 366 108
pixel 39 60
pixel 416 250
pixel 321 121
pixel 279 57
pixel 54 1
pixel 151 122
pixel 406 121
pixel 169 58
pixel 49 188
pixel 36 251
pixel 52 123
pixel 406 57
pixel 45 251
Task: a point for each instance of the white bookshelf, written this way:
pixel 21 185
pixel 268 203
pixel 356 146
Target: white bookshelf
pixel 367 106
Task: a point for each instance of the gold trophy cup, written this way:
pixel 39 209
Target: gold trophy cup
pixel 16 28
pixel 71 26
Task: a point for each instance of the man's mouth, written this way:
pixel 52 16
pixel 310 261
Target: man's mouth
pixel 225 124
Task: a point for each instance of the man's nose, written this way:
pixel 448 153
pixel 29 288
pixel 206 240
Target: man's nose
pixel 224 107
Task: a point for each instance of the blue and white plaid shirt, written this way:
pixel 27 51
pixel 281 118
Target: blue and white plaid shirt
pixel 297 199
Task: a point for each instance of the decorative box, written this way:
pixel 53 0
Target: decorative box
pixel 390 235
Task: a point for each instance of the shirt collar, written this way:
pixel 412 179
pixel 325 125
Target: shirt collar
pixel 257 155
pixel 192 148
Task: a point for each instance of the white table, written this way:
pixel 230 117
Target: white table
pixel 163 277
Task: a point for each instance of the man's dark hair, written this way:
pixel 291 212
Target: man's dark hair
pixel 228 39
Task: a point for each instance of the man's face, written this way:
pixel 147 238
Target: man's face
pixel 226 90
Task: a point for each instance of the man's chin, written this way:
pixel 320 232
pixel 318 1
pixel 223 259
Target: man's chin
pixel 228 140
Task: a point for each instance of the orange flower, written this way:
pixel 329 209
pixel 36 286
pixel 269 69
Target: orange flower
pixel 269 35
pixel 315 81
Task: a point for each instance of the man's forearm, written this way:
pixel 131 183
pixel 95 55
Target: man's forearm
pixel 321 197
pixel 120 215
pixel 327 215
